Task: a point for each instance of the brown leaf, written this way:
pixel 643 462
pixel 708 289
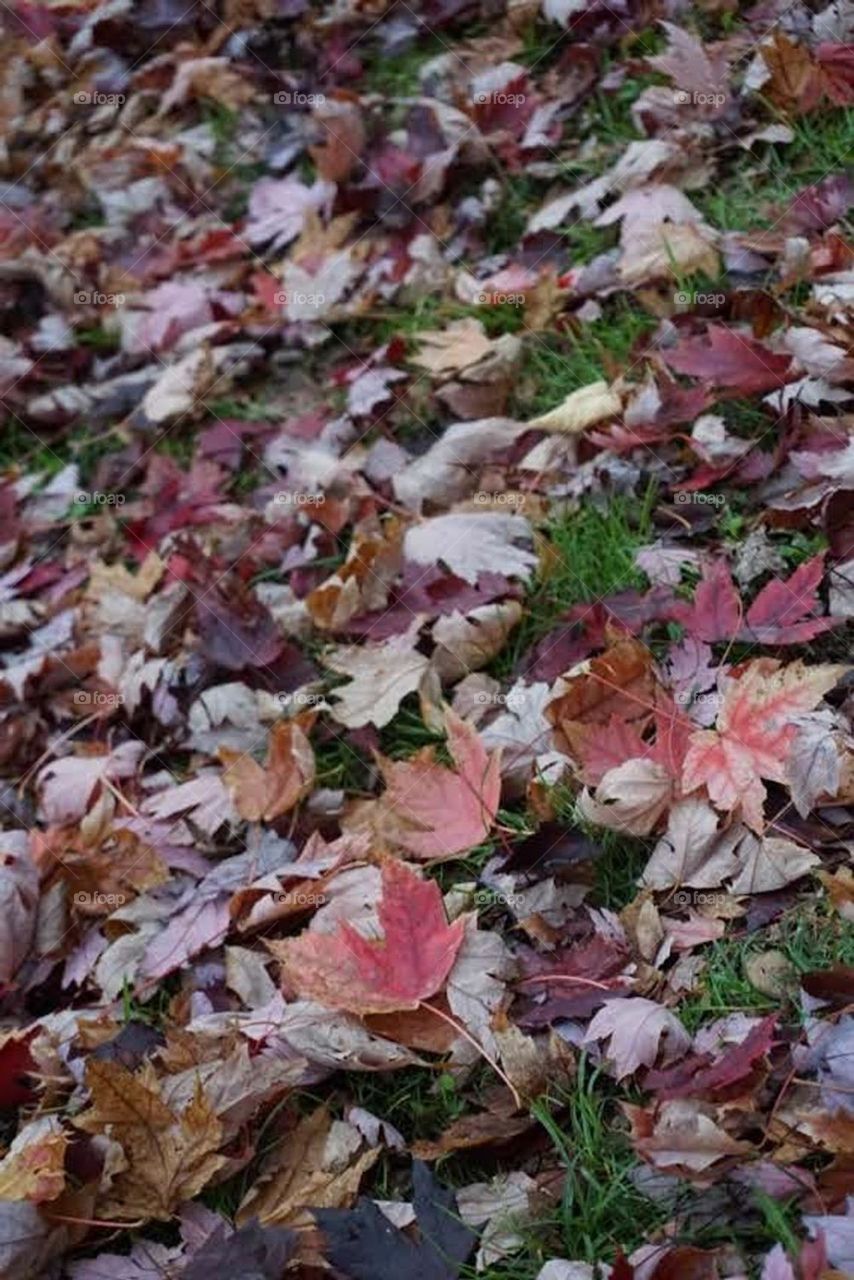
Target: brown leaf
pixel 34 1166
pixel 169 1157
pixel 264 794
pixel 319 1165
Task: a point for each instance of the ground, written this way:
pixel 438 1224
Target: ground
pixel 427 570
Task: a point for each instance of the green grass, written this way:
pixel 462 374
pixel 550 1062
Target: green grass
pixel 771 174
pixel 601 1210
pixel 592 556
pixel 397 75
pixel 561 363
pixel 422 1103
pixel 807 936
pixel 21 447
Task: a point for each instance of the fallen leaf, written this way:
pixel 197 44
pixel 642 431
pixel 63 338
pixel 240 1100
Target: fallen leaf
pixel 169 1157
pixel 635 1029
pixel 264 794
pixel 731 361
pixel 437 812
pixel 348 971
pixel 754 733
pixel 581 409
pixel 364 1245
pixel 319 1166
pixel 34 1166
pixel 445 351
pixel 470 544
pixel 381 676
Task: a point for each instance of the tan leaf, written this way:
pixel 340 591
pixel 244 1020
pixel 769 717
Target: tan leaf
pixel 631 798
pixel 266 793
pixel 682 1136
pixel 461 344
pixel 318 1166
pixel 581 408
pixel 169 1157
pixel 381 675
pixel 33 1167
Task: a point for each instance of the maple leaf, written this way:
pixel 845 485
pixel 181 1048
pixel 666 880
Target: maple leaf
pixel 697 1076
pixel 682 1136
pixel 436 812
pixel 635 1028
pixel 690 65
pixel 278 208
pixel 470 544
pixel 574 980
pixel 778 612
pixel 170 1157
pixel 265 794
pixel 346 970
pixel 728 359
pixel 381 675
pixel 308 1169
pixel 754 733
pixel 364 1245
pixel 716 612
pixel 34 1166
pixel 692 851
pixel 631 797
pixel 460 344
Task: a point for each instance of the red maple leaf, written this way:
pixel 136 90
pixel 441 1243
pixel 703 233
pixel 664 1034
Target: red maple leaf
pixel 346 970
pixel 780 614
pixel 728 359
pixel 697 1076
pixel 754 733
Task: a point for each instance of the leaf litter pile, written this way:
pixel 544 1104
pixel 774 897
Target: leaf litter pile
pixel 426 565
